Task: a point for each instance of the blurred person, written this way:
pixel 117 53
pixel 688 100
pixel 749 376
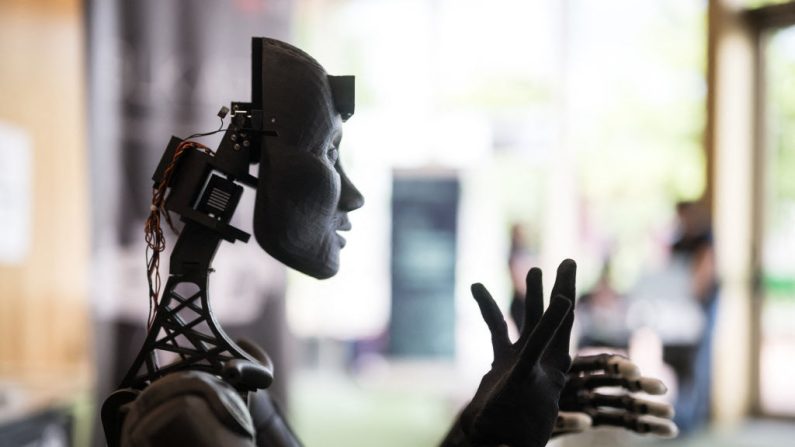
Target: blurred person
pixel 694 246
pixel 601 314
pixel 520 260
pixel 679 303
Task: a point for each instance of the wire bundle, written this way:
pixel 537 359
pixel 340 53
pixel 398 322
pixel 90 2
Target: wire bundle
pixel 155 241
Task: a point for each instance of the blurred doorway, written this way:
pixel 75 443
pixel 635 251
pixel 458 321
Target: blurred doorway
pixel 776 225
pixel 424 233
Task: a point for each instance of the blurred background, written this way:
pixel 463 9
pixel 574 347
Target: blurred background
pixel 649 141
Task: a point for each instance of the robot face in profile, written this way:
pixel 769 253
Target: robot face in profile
pixel 303 194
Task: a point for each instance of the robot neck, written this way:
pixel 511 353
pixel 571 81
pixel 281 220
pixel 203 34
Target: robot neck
pixel 194 251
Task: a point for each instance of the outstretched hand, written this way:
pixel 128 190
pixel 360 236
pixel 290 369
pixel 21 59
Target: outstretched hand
pixel 517 400
pixel 582 407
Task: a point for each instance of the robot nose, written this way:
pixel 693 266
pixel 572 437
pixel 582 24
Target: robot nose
pixel 350 197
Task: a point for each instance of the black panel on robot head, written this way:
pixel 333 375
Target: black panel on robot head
pixel 303 195
pixel 294 91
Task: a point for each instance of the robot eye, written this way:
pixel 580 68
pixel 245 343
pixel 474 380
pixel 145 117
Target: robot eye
pixel 332 154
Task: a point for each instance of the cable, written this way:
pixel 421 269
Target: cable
pixel 212 132
pixel 153 232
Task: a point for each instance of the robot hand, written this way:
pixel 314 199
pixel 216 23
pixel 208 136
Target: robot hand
pixel 582 407
pixel 517 400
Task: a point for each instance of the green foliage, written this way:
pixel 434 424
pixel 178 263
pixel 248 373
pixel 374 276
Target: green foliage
pixel 781 94
pixel 752 4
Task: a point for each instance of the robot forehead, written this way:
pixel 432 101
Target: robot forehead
pixel 291 87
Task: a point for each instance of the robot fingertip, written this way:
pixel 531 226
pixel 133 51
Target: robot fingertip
pixel 660 427
pixel 574 422
pixel 666 430
pixel 652 386
pixel 624 367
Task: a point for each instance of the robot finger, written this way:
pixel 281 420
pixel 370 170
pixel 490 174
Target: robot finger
pixel 611 364
pixel 638 424
pixel 645 384
pixel 632 405
pixel 571 422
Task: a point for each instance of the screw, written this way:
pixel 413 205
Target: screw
pixel 236 147
pixel 234 137
pixel 246 143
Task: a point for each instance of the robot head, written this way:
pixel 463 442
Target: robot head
pixel 303 195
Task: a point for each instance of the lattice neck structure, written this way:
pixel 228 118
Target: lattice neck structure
pixel 185 334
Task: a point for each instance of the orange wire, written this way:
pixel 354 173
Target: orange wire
pixel 153 232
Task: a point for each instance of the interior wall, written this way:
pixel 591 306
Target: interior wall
pixel 43 321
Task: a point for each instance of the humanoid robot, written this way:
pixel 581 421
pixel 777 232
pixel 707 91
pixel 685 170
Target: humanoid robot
pixel 213 390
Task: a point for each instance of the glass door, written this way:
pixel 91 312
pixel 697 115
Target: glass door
pixel 777 243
